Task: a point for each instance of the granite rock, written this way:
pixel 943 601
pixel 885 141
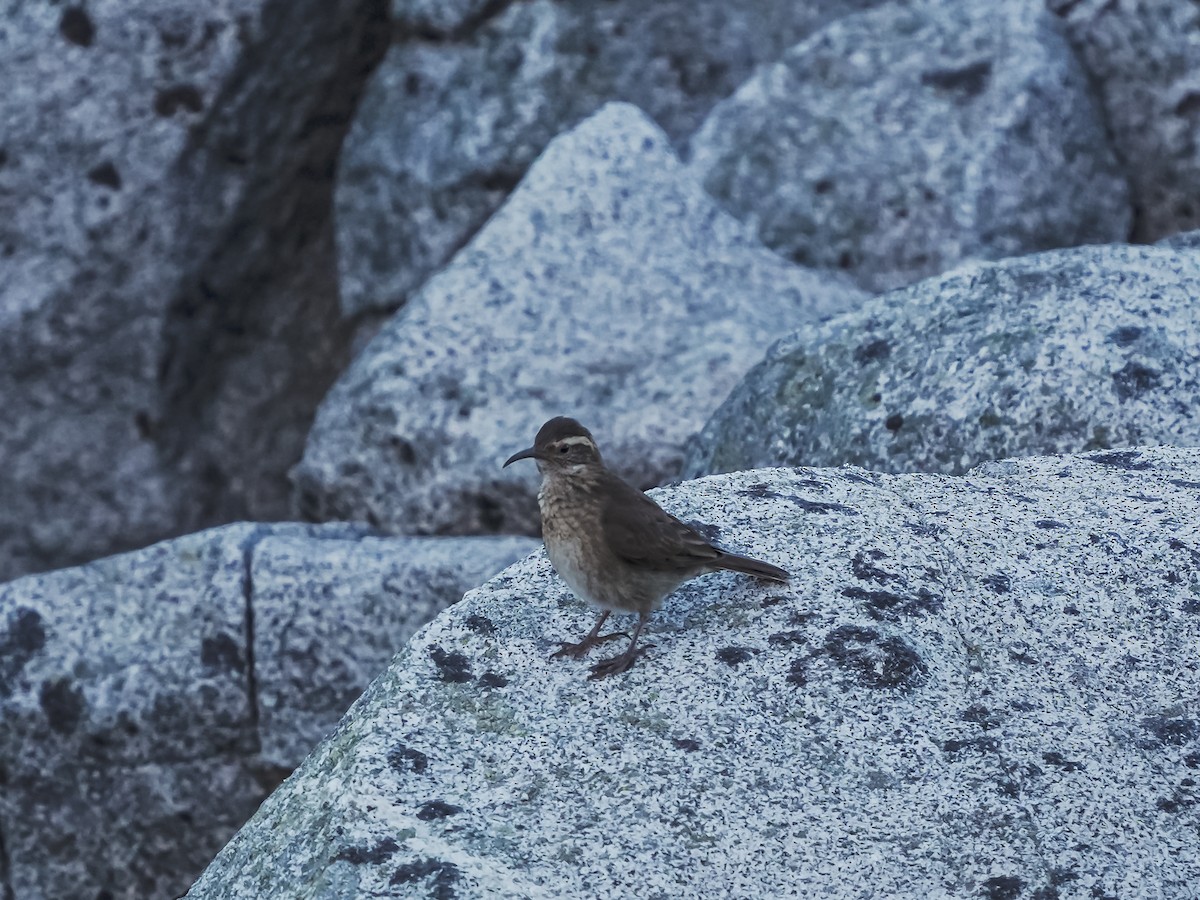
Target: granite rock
pixel 361 598
pixel 471 93
pixel 1070 350
pixel 1144 58
pixel 976 686
pixel 149 701
pixel 609 287
pixel 168 314
pixel 897 142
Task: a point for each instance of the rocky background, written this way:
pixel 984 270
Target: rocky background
pixel 332 262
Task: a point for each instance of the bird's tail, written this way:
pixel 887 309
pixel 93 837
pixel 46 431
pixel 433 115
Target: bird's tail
pixel 748 566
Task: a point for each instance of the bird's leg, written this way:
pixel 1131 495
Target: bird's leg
pixel 577 650
pixel 618 664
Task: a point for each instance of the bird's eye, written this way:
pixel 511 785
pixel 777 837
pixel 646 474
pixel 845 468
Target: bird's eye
pixel 563 449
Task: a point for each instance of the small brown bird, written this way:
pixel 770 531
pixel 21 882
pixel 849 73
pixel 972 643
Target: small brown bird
pixel 614 546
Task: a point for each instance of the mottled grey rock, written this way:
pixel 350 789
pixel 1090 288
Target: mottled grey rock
pixel 168 314
pixel 330 614
pixel 894 143
pixel 1064 351
pixel 609 287
pixel 1144 58
pixel 453 118
pixel 981 686
pixel 137 728
pixel 1185 240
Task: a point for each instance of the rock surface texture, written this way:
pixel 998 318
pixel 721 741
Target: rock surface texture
pixel 471 93
pixel 168 312
pixel 610 287
pixel 1070 350
pixel 148 702
pixel 897 142
pixel 1144 58
pixel 977 686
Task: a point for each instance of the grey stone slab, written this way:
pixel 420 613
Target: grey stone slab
pixel 609 287
pixel 897 142
pixel 983 685
pixel 329 615
pixel 471 93
pixel 168 315
pixel 140 725
pixel 1089 348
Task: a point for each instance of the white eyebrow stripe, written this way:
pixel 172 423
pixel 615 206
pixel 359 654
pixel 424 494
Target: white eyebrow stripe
pixel 578 439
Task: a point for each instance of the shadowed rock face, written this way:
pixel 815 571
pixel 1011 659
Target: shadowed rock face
pixel 895 143
pixel 1072 350
pixel 610 287
pixel 472 91
pixel 959 667
pixel 151 700
pixel 1142 56
pixel 168 313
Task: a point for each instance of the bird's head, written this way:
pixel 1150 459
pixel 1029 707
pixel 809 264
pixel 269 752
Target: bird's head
pixel 562 446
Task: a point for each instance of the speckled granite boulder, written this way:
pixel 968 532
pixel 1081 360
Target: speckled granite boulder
pixel 982 686
pixel 610 287
pixel 1071 350
pixel 148 702
pixel 168 314
pixel 1144 58
pixel 472 92
pixel 897 142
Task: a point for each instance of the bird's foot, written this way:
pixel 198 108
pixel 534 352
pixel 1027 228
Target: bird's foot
pixel 579 649
pixel 617 664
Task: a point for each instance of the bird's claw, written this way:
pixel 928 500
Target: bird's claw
pixel 617 664
pixel 579 649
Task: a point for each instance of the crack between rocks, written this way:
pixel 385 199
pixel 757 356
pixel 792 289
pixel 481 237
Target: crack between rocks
pixel 257 536
pixel 973 693
pixel 6 889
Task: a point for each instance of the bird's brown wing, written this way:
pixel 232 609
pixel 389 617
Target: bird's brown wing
pixel 641 532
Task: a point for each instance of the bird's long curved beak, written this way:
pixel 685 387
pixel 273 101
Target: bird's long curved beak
pixel 530 453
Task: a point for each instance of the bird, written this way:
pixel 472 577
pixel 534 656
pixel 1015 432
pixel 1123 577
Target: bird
pixel 615 547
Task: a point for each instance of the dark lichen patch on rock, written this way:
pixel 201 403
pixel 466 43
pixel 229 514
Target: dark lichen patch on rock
pixel 787 638
pixel 1170 730
pixel 872 351
pixel 493 680
pixel 1002 887
pixel 863 567
pixel 437 809
pixel 380 853
pixel 452 667
pixel 405 759
pixel 1048 524
pixel 77 26
pixel 980 715
pixel 760 492
pixel 1125 335
pixel 1121 459
pixel 978 744
pixel 63 704
pixel 888 605
pixel 1056 759
pixel 480 624
pixel 105 175
pixel 998 583
pixel 220 652
pixel 440 877
pixel 732 656
pixel 874 660
pixel 1134 379
pixel 20 640
pixel 688 745
pixel 170 100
